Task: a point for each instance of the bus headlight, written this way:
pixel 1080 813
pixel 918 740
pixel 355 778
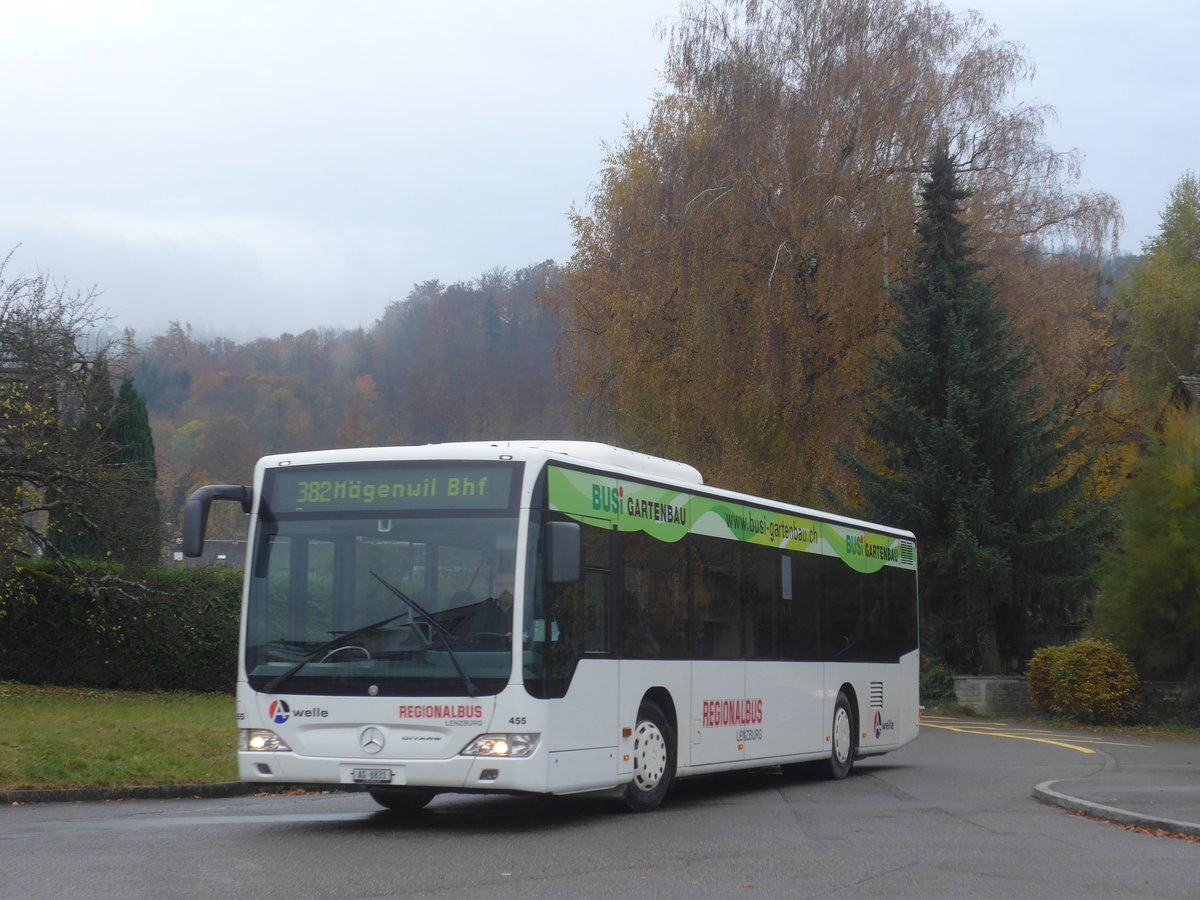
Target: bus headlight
pixel 259 739
pixel 508 745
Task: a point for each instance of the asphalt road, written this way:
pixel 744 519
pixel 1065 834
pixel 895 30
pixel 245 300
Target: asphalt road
pixel 951 815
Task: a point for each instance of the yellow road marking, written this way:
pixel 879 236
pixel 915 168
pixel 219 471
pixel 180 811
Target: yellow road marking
pixel 1015 737
pixel 1010 730
pixel 1087 740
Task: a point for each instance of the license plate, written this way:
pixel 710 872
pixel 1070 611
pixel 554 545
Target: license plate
pixel 371 776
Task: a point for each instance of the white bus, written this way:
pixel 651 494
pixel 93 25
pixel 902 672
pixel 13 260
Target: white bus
pixel 658 628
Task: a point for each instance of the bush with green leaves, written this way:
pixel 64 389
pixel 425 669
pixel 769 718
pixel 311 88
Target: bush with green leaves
pixel 92 624
pixel 1089 680
pixel 937 683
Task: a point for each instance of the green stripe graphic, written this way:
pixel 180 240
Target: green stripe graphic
pixel 668 515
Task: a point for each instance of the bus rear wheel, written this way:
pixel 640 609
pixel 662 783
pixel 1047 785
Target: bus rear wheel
pixel 653 760
pixel 841 760
pixel 403 798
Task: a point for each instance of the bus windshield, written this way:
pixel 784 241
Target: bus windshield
pixel 380 602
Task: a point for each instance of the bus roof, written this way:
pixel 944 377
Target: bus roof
pixel 581 451
pixel 607 456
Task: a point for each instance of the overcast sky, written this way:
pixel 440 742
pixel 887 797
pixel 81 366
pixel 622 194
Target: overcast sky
pixel 260 166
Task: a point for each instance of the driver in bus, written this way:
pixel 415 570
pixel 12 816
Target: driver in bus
pixel 494 615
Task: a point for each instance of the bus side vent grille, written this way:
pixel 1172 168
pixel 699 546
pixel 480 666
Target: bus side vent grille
pixel 908 554
pixel 876 695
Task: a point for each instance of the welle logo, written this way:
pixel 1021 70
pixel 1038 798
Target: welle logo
pixel 279 712
pixel 882 725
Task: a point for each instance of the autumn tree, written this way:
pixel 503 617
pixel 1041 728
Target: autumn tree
pixel 732 273
pixel 356 429
pixel 1162 301
pixel 972 458
pixel 1150 603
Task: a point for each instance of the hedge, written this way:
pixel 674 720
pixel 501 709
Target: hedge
pixel 1040 677
pixel 1090 681
pixel 169 628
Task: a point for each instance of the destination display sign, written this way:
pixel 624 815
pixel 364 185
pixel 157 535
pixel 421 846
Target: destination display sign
pixel 389 488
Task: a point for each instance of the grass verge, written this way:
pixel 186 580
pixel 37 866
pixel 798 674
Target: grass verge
pixel 59 737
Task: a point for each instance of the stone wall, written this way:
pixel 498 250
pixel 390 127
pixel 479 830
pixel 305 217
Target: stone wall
pixel 994 695
pixel 1008 695
pixel 1161 701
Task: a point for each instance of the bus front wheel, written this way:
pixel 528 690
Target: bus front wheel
pixel 653 760
pixel 841 760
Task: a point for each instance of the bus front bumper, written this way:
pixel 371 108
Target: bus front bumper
pixel 461 773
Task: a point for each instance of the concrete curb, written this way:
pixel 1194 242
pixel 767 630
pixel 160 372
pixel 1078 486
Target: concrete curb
pixel 1045 793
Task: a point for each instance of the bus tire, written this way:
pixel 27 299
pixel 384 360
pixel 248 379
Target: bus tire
pixel 653 760
pixel 402 799
pixel 841 759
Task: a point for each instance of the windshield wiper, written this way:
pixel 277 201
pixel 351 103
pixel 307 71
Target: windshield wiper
pixel 328 645
pixel 472 690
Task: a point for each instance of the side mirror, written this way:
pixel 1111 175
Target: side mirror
pixel 195 512
pixel 563 541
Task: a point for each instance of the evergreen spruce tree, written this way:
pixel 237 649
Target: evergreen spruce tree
pixel 133 456
pixel 970 458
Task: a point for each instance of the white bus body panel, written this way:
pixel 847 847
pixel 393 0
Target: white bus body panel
pixel 793 697
pixel 583 730
pixel 730 715
pixel 422 739
pixel 718 687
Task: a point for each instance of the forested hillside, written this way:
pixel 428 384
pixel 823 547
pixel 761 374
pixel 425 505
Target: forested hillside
pixel 459 362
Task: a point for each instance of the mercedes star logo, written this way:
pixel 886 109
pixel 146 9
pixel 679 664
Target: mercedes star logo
pixel 371 740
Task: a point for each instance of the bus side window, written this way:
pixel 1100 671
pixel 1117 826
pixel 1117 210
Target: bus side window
pixel 655 622
pixel 716 605
pixel 760 591
pixel 844 613
pixel 902 598
pixel 799 612
pixel 595 612
pixel 596 615
pixel 637 632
